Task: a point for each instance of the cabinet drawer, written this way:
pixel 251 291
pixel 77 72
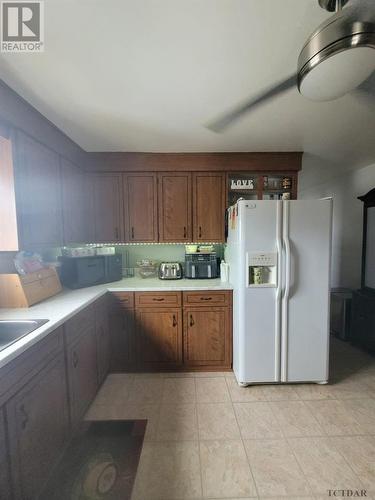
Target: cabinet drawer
pixel 124 300
pixel 156 299
pixel 79 323
pixel 217 298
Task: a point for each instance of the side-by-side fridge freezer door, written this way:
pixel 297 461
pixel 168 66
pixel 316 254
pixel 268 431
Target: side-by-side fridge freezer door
pixel 305 300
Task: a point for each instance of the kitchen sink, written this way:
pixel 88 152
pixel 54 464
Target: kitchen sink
pixel 13 330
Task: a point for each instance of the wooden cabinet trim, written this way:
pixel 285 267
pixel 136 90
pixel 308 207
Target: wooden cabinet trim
pixel 123 300
pixel 215 298
pixel 158 299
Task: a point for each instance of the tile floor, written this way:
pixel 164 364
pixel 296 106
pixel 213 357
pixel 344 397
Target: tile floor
pixel 209 438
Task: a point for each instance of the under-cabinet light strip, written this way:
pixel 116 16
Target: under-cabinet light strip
pixel 152 244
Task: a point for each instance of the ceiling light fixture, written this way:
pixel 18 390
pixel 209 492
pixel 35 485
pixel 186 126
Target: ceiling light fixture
pixel 339 55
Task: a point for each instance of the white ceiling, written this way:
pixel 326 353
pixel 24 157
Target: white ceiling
pixel 146 75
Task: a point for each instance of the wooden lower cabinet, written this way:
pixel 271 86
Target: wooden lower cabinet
pixel 151 331
pixel 207 336
pixel 122 340
pixel 38 426
pixel 82 373
pixel 5 485
pixel 159 337
pixel 102 338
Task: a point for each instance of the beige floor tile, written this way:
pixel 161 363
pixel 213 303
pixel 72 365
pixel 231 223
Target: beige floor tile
pixel 350 389
pixel 179 391
pixel 257 420
pixel 279 392
pixel 211 374
pixel 324 467
pixel 296 419
pixel 275 469
pixel 177 423
pixel 240 394
pixel 313 391
pixel 212 390
pixel 363 412
pixel 359 452
pixel 115 389
pixel 146 391
pixel 333 418
pixel 168 470
pixel 178 375
pixel 217 421
pixel 225 470
pixel 127 412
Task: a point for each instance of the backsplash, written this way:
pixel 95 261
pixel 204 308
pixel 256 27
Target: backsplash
pixel 172 252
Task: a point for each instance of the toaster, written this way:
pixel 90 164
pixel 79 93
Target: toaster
pixel 170 271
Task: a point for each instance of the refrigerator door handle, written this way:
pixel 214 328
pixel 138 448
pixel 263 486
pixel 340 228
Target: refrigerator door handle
pixel 279 247
pixel 285 300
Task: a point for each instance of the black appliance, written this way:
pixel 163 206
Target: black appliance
pixel 362 330
pixel 201 265
pixel 79 272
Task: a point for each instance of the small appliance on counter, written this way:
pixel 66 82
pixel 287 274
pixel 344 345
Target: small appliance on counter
pixel 201 265
pixel 170 271
pixel 79 272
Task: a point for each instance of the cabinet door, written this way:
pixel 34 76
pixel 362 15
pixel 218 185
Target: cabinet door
pixel 38 194
pixel 5 485
pixel 106 207
pixel 38 424
pixel 82 374
pixel 174 199
pixel 102 338
pixel 207 339
pixel 159 337
pixel 208 206
pixel 74 205
pixel 122 340
pixel 140 196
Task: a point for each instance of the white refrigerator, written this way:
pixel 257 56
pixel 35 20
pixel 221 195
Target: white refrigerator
pixel 279 255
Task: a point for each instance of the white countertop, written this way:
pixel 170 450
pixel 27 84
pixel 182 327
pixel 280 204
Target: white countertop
pixel 66 304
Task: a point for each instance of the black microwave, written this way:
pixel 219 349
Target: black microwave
pixel 79 272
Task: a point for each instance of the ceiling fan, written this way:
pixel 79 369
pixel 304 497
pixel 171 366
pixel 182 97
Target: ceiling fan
pixel 337 57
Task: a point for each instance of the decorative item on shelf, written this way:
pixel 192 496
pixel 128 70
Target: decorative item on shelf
pixel 236 184
pixel 285 196
pixel 265 181
pixel 286 183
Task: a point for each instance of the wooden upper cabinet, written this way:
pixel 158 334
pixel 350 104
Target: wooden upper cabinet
pixel 73 203
pixel 38 194
pixel 174 196
pixel 140 203
pixel 208 206
pixel 105 207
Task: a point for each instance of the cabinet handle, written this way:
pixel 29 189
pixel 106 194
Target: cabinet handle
pixel 116 233
pixel 206 298
pixel 184 231
pixel 174 320
pixel 132 232
pixel 191 320
pixel 75 359
pixel 158 300
pixel 200 232
pixel 25 417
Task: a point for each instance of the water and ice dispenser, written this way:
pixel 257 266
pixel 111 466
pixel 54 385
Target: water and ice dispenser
pixel 261 269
